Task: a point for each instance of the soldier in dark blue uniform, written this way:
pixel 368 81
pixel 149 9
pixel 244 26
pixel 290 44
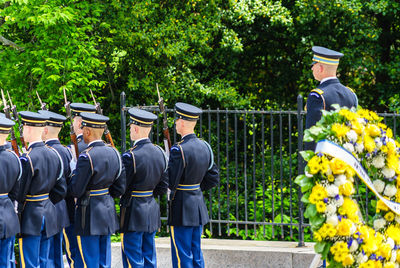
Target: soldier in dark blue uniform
pixel 70 237
pixel 50 136
pixel 7 143
pixel 99 176
pixel 9 182
pixel 42 185
pixel 191 170
pixel 330 90
pixel 146 176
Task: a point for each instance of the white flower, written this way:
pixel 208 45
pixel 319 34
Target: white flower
pixel 330 209
pixel 352 136
pixel 349 147
pixel 379 185
pixel 332 219
pixel 339 180
pixel 359 147
pixel 378 143
pixel 354 246
pixel 388 172
pixel 361 258
pixel 390 241
pixel 339 202
pixel 353 229
pixel 390 190
pixel 379 223
pixel 332 190
pixel 397 218
pixel 378 161
pixel 394 255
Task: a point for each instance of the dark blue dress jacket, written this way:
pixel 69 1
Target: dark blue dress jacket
pixel 190 163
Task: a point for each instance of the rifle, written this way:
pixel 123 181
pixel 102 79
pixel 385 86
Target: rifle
pixel 72 132
pixel 167 137
pixel 6 110
pixel 42 104
pixel 20 125
pixel 107 133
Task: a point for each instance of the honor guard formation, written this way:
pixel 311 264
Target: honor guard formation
pixel 56 198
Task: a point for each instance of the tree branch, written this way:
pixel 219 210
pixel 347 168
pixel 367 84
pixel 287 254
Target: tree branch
pixel 7 42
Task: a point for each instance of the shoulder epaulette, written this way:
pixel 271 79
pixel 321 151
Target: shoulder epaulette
pixel 317 90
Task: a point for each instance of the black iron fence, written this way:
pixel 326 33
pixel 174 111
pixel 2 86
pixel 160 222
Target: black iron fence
pixel 257 154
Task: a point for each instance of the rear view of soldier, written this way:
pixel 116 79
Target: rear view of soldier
pixel 9 178
pixel 42 179
pixel 191 170
pixel 99 176
pixel 146 177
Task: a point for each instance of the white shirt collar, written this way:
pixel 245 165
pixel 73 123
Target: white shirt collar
pixel 54 139
pixel 94 142
pixel 136 141
pixel 187 135
pixel 32 143
pixel 328 78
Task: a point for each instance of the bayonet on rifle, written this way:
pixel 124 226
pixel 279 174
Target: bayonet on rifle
pixel 72 132
pixel 42 104
pixel 167 137
pixel 20 125
pixel 107 133
pixel 6 109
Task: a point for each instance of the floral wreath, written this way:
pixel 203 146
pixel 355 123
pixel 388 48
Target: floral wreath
pixel 352 143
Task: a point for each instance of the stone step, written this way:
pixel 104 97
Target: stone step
pixel 221 253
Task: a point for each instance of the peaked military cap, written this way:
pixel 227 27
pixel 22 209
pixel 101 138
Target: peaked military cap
pixel 141 118
pixel 94 120
pixel 5 125
pixel 187 112
pixel 33 119
pixel 326 56
pixel 55 120
pixel 78 108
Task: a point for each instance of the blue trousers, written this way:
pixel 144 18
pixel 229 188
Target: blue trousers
pixel 12 253
pixel 186 247
pixel 94 251
pixel 6 249
pixel 56 252
pixel 139 249
pixel 71 245
pixel 34 250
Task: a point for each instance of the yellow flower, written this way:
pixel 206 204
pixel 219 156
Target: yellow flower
pixel 331 178
pixel 373 130
pixel 339 256
pixel 392 161
pixel 348 260
pixel 349 115
pixel 314 164
pixel 389 133
pixel 339 247
pixel 357 127
pixel 344 227
pixel 385 250
pixel 340 130
pixel 398 255
pixel 313 198
pixel 380 205
pixel 321 207
pixel 337 166
pixel 317 236
pixel 350 172
pixel 369 143
pixel 346 189
pixel 389 265
pixel 394 233
pixel 319 191
pixel 389 216
pixel 349 207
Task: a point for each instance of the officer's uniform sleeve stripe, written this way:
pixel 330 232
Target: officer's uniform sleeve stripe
pixel 320 93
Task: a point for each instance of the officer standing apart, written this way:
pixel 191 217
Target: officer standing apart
pixel 50 137
pixel 76 109
pixel 146 177
pixel 98 178
pixel 330 90
pixel 191 170
pixel 42 185
pixel 9 180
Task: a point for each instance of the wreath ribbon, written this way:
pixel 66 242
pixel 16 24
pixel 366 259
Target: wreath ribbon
pixel 334 150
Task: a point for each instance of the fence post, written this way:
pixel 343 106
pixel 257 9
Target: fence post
pixel 123 122
pixel 300 165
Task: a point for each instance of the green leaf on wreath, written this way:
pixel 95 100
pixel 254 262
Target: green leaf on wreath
pixel 307 187
pixel 320 246
pixel 334 264
pixel 315 130
pixel 311 211
pixel 307 155
pixel 307 136
pixel 325 252
pixel 305 197
pixel 317 220
pixel 299 179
